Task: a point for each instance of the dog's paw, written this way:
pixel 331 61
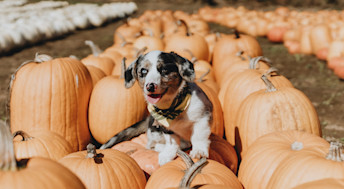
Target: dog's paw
pixel 165 158
pixel 199 153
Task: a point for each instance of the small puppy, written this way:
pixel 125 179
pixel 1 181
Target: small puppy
pixel 180 112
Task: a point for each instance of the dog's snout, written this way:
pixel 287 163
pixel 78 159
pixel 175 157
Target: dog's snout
pixel 151 87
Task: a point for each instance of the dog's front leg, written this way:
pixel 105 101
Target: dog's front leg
pixel 168 151
pixel 200 138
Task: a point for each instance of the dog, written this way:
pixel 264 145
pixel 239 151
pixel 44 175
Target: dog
pixel 180 112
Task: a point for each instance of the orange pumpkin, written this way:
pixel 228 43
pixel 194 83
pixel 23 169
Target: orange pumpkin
pixel 105 168
pixel 209 172
pixel 270 151
pixel 273 109
pixel 40 143
pixel 231 44
pixel 181 43
pixel 328 164
pixel 113 107
pixel 33 173
pixel 52 94
pixel 96 73
pixel 240 86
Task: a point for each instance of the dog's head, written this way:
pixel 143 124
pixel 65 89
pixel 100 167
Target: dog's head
pixel 160 75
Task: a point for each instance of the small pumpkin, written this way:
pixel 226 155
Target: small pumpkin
pixel 103 169
pixel 35 172
pixel 40 143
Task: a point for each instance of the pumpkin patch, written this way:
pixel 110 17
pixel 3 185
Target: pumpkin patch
pixel 266 132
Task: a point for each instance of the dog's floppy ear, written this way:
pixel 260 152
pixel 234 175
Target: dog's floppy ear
pixel 130 74
pixel 185 67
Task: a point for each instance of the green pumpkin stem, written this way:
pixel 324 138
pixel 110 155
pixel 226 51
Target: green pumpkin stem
pixel 24 135
pixel 7 158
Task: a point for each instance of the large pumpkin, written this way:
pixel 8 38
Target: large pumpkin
pixel 270 151
pixel 40 143
pixel 104 169
pixel 113 108
pixel 52 94
pixel 273 109
pixel 33 173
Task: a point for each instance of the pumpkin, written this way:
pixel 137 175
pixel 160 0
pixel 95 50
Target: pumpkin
pixel 318 165
pixel 150 42
pixel 96 73
pixel 52 94
pixel 40 143
pixel 231 44
pixel 104 63
pixel 209 172
pixel 103 169
pixel 105 117
pixel 195 43
pixel 36 172
pixel 242 85
pixel 220 150
pixel 323 183
pixel 276 34
pixel 270 151
pixel 273 109
pixel 126 33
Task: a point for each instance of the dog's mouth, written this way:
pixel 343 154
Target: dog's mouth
pixel 154 98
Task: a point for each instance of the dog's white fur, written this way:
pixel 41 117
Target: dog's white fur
pixel 192 125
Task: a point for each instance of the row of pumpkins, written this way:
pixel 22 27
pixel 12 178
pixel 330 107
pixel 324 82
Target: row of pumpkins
pixel 60 106
pixel 320 33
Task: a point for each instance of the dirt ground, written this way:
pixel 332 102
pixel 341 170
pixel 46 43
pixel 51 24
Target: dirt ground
pixel 307 73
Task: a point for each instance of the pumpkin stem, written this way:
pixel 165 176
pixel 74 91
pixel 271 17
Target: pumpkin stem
pixel 191 173
pixel 94 48
pixel 182 22
pixel 201 79
pixel 123 67
pixel 237 34
pixel 91 151
pixel 254 62
pixel 193 58
pixel 39 58
pixel 24 135
pixel 335 152
pixel 296 146
pixel 186 158
pixel 269 86
pixel 7 157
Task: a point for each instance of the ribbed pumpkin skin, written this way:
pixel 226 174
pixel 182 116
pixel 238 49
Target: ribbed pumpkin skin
pixel 117 170
pixel 241 85
pixel 270 151
pixel 42 144
pixel 323 183
pixel 170 174
pixel 306 167
pixel 96 74
pixel 113 108
pixel 53 95
pixel 40 173
pixel 264 112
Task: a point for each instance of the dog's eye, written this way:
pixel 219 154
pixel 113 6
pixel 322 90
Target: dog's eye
pixel 143 72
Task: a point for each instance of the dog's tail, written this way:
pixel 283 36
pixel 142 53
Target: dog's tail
pixel 128 133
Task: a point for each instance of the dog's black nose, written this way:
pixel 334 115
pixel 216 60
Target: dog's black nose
pixel 151 87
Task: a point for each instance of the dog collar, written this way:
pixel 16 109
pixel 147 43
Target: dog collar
pixel 166 116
